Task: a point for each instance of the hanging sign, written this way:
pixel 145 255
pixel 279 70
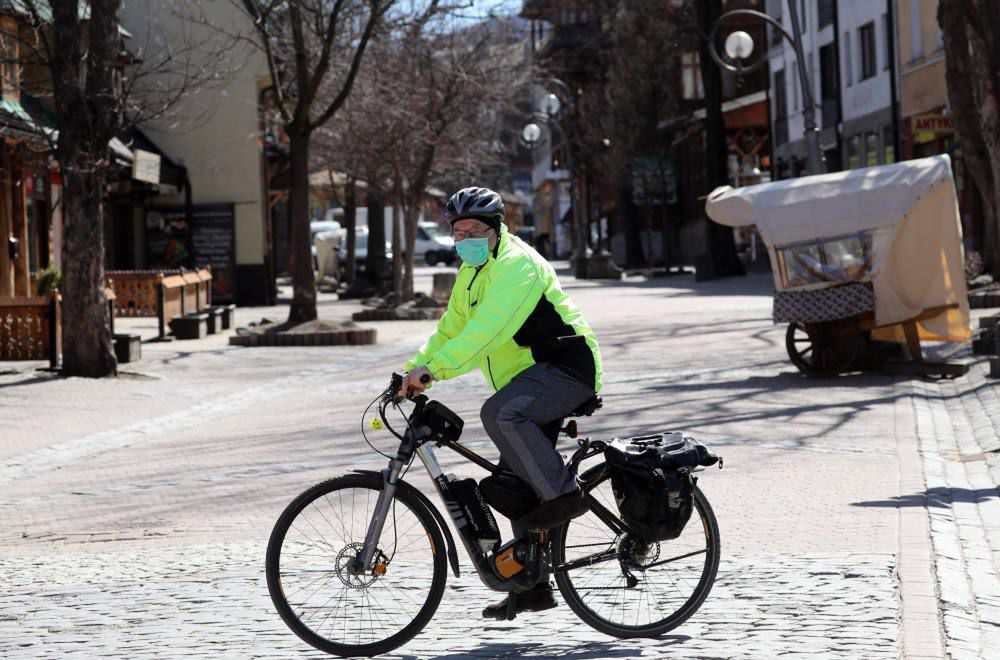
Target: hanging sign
pixel 146 166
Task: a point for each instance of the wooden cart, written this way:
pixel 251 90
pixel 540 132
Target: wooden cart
pixel 866 263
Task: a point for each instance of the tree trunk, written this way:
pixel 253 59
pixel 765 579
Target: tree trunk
pixel 87 118
pixel 397 240
pixel 86 324
pixel 629 223
pixel 351 225
pixel 300 263
pixel 647 228
pixel 971 45
pixel 412 218
pixel 721 243
pixel 375 266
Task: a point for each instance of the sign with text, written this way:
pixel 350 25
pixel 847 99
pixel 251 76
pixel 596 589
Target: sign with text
pixel 146 166
pixel 933 124
pixel 209 240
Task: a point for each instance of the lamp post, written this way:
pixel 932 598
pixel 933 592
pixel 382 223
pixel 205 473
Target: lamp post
pixel 554 112
pixel 739 46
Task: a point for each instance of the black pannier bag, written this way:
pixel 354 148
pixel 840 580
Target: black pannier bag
pixel 652 482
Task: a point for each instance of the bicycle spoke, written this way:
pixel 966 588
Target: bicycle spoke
pixel 319 543
pixel 667 576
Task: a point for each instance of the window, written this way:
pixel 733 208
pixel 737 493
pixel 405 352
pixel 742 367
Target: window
pixel 803 16
pixel 780 102
pixel 827 73
pixel 824 13
pixel 795 87
pixel 848 64
pixel 774 9
pixel 916 31
pixel 812 79
pixel 691 76
pixel 888 144
pixel 840 259
pixel 866 40
pixel 885 40
pixel 871 149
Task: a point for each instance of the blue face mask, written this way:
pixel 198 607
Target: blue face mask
pixel 474 251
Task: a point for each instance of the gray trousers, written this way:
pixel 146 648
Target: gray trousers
pixel 513 418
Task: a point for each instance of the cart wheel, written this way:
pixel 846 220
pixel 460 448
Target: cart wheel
pixel 824 349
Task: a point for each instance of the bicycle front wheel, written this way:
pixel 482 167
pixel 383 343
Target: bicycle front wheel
pixel 339 612
pixel 624 586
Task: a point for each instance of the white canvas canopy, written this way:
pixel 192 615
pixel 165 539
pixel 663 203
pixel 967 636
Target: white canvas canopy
pixel 907 216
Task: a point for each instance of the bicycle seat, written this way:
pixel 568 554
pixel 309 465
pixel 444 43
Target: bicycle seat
pixel 588 407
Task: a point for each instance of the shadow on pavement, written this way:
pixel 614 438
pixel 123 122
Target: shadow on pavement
pixel 34 380
pixel 683 285
pixel 591 651
pixel 938 498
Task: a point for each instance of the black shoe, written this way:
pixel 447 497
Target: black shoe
pixel 536 599
pixel 553 513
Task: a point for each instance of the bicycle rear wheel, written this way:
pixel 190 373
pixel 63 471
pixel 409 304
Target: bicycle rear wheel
pixel 624 586
pixel 338 612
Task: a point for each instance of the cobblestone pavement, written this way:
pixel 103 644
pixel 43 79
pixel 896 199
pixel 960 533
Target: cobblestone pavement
pixel 135 512
pixel 958 423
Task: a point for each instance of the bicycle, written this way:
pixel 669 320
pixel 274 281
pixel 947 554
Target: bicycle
pixel 357 565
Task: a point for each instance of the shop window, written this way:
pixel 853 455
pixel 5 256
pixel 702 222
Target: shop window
pixel 854 152
pixel 888 144
pixel 871 149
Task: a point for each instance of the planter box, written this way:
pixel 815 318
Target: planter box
pixel 128 348
pixel 190 326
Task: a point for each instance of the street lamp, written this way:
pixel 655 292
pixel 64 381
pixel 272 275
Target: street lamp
pixel 549 114
pixel 739 46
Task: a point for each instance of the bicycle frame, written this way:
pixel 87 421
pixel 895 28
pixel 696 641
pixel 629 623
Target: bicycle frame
pixel 415 442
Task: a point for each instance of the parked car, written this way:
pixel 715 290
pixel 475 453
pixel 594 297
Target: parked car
pixel 434 245
pixel 360 251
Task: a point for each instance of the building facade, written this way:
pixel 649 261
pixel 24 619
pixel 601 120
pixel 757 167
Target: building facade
pixel 216 135
pixel 849 60
pixel 926 124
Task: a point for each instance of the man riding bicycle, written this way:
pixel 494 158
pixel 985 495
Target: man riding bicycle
pixel 508 315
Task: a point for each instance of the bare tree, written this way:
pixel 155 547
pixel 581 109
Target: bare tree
pixel 424 107
pixel 314 50
pixel 635 86
pixel 97 87
pixel 971 31
pixel 464 79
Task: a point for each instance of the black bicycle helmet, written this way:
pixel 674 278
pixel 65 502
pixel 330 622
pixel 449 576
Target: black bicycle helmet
pixel 477 203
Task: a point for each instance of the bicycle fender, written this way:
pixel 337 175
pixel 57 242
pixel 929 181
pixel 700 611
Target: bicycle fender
pixel 426 503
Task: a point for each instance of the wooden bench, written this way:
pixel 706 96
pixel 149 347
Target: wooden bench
pixel 164 294
pixel 30 328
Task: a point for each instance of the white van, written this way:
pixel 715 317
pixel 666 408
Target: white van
pixel 433 246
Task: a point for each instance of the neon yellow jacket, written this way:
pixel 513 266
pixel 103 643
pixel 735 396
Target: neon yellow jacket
pixel 507 315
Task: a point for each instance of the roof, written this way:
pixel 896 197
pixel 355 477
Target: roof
pixel 827 205
pixel 17 122
pixel 44 9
